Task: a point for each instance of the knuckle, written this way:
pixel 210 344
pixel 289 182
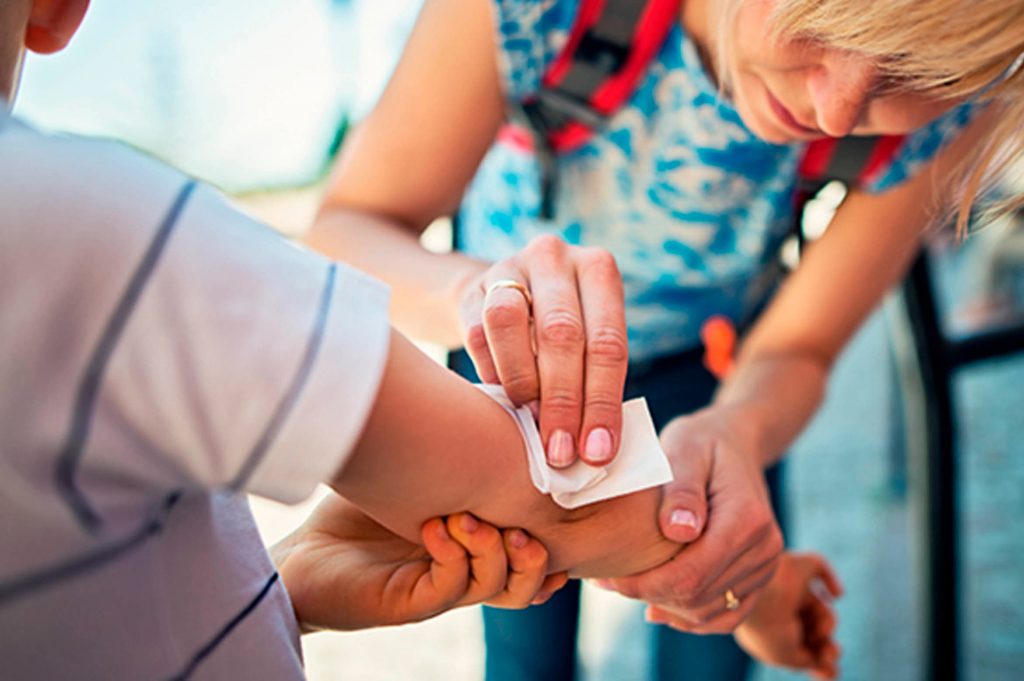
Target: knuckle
pixel 591 257
pixel 490 540
pixel 505 315
pixel 561 329
pixel 534 561
pixel 775 542
pixel 602 405
pixel 685 586
pixel 521 386
pixel 560 401
pixel 607 346
pixel 547 243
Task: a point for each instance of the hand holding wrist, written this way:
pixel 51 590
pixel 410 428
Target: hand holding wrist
pixel 718 503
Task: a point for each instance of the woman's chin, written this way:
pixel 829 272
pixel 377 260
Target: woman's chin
pixel 766 132
pixel 761 127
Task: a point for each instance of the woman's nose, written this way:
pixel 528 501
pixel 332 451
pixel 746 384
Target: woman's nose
pixel 840 89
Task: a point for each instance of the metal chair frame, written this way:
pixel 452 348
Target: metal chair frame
pixel 927 361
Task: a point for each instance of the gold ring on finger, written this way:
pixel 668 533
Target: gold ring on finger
pixel 511 283
pixel 732 602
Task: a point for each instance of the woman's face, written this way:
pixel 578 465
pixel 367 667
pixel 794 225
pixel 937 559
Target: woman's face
pixel 787 91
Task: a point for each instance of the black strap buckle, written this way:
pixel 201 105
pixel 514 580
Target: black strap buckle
pixel 606 55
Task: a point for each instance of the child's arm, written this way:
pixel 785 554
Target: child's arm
pixel 435 445
pixel 345 571
pixel 792 623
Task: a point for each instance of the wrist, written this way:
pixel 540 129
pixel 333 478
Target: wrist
pixel 743 425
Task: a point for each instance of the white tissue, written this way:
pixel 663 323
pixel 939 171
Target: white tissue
pixel 640 463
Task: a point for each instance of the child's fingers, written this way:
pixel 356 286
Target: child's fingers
pixel 449 568
pixel 488 564
pixel 552 583
pixel 527 569
pixel 441 546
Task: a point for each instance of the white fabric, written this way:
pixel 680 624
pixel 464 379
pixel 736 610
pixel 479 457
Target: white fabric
pixel 640 463
pixel 237 365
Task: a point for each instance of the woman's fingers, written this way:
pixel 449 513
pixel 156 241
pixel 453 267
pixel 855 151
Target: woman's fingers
pixel 561 344
pixel 604 316
pixel 714 616
pixel 507 319
pixel 549 324
pixel 476 343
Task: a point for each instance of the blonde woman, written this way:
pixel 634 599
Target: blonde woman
pixel 664 217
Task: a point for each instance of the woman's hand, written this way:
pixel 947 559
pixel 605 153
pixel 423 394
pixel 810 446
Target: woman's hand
pixel 345 571
pixel 567 350
pixel 793 623
pixel 718 503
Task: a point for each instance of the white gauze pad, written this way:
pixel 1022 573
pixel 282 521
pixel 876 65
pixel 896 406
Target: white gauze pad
pixel 640 463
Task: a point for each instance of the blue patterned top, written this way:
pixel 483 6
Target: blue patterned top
pixel 689 201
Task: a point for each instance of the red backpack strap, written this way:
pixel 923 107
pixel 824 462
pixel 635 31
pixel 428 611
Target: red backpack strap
pixel 609 47
pixel 854 161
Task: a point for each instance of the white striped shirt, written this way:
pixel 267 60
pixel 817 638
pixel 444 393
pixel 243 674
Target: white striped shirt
pixel 160 354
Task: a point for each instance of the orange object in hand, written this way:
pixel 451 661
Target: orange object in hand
pixel 719 337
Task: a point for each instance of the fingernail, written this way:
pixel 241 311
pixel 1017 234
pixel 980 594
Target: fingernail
pixel 605 584
pixel 534 408
pixel 469 524
pixel 517 538
pixel 560 449
pixel 442 532
pixel 683 518
pixel 599 446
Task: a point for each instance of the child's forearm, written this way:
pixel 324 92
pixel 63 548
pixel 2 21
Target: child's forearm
pixel 435 445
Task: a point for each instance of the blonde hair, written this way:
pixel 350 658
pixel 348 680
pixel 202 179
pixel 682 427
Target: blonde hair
pixel 947 48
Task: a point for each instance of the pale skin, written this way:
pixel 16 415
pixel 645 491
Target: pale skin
pixel 382 197
pixel 382 562
pixel 343 556
pixel 458 449
pixel 348 570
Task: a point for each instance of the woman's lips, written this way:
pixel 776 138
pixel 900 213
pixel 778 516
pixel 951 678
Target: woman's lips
pixel 786 118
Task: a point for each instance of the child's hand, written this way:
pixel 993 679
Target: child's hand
pixel 343 570
pixel 792 625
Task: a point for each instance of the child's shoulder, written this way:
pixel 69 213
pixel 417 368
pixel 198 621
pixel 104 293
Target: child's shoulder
pixel 97 200
pixel 62 169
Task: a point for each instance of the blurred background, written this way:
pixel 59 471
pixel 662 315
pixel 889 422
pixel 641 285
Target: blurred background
pixel 255 97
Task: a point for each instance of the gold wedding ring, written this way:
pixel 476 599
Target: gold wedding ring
pixel 731 600
pixel 511 283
